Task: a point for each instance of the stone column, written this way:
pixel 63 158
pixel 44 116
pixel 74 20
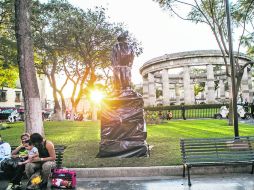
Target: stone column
pixel 245 86
pixel 145 91
pixel 165 88
pixel 192 93
pixel 186 85
pixel 250 86
pixel 222 90
pixel 151 90
pixel 210 85
pixel 177 89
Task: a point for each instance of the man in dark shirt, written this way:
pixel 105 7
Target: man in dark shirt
pixel 183 111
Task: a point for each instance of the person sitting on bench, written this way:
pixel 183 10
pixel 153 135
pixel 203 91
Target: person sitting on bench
pixel 16 171
pixel 46 160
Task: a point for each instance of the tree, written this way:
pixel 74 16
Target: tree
pixel 212 13
pixel 27 73
pixel 91 42
pixel 77 43
pixel 244 13
pixel 50 46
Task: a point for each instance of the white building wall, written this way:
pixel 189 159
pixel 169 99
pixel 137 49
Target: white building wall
pixel 11 94
pixel 10 98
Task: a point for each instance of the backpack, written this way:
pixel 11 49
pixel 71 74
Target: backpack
pixel 63 178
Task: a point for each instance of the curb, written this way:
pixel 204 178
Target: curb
pixel 155 171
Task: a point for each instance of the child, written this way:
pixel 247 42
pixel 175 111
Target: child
pixel 32 152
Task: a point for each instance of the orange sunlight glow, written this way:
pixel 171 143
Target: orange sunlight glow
pixel 96 96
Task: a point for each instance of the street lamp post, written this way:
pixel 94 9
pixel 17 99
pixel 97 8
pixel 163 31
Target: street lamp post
pixel 232 64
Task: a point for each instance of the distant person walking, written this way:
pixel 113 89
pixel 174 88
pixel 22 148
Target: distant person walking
pixel 252 108
pixel 246 105
pixel 183 111
pixel 169 115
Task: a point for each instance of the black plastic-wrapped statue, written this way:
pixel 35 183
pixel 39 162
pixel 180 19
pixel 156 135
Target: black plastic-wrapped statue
pixel 123 129
pixel 122 60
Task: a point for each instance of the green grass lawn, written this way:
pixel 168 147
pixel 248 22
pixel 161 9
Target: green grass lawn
pixel 82 140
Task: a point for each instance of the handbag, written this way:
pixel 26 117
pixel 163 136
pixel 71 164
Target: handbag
pixel 63 178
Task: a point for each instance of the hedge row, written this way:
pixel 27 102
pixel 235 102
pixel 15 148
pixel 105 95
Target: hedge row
pixel 178 107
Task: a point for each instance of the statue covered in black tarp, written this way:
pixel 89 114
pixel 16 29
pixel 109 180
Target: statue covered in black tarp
pixel 123 130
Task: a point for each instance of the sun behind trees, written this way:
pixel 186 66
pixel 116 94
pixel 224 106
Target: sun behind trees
pixel 76 44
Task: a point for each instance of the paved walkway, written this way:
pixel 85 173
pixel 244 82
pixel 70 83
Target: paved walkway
pixel 211 182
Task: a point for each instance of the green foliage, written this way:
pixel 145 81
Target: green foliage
pixel 8 76
pixel 199 87
pixel 8 51
pixel 244 13
pixel 8 62
pixel 178 107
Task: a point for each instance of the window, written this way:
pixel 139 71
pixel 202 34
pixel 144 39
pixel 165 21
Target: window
pixel 3 95
pixel 17 99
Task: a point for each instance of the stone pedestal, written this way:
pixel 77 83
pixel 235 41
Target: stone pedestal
pixel 123 130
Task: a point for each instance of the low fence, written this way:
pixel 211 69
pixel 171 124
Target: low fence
pixel 191 111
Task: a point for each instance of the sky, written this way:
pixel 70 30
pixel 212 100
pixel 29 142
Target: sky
pixel 158 32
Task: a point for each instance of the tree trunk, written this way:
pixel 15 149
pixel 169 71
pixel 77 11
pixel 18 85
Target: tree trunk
pixel 230 109
pixel 27 73
pixel 73 111
pixel 57 109
pixel 230 113
pixel 63 104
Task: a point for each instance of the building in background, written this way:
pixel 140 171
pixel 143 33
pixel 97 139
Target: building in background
pixel 12 97
pixel 170 79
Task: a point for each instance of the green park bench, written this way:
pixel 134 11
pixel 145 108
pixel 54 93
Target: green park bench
pixel 197 152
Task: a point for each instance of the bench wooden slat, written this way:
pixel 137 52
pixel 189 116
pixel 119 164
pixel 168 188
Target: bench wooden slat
pixel 217 139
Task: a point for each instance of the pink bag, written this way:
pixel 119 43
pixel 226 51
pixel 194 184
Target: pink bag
pixel 63 178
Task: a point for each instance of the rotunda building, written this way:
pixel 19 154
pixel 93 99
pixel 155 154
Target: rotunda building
pixel 170 79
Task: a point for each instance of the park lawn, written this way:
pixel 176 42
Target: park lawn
pixel 82 140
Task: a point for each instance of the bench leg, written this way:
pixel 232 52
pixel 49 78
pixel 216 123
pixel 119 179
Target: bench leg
pixel 252 169
pixel 183 170
pixel 188 171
